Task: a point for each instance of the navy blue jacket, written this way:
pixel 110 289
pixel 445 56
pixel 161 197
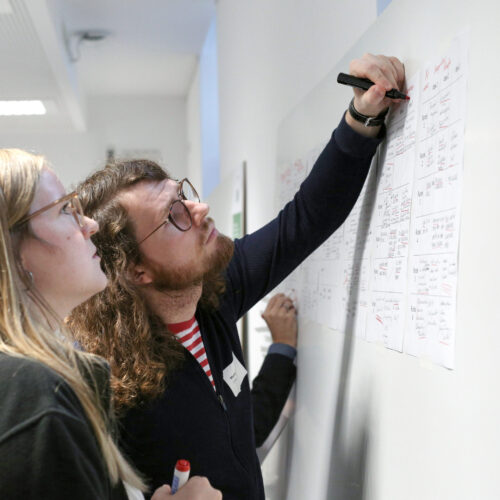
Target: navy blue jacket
pixel 215 432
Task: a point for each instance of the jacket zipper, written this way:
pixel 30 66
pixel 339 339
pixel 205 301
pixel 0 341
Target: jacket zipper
pixel 221 400
pixel 222 403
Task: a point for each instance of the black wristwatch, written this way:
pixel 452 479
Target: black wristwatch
pixel 367 121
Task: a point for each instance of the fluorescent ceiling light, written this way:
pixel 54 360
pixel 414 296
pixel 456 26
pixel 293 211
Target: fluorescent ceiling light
pixel 19 108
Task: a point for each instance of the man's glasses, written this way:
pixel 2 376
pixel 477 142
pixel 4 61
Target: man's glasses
pixel 73 206
pixel 178 213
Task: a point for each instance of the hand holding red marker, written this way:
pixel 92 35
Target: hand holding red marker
pixel 181 474
pixel 196 488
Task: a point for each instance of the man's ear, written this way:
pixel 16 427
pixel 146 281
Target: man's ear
pixel 140 275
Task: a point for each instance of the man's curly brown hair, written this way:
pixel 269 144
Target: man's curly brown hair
pixel 117 323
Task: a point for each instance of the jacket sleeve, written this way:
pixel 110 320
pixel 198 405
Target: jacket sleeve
pixel 324 200
pixel 270 391
pixel 54 456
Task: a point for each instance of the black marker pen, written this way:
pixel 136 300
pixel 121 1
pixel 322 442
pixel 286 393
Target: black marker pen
pixel 365 84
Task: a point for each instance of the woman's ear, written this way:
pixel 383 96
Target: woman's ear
pixel 24 260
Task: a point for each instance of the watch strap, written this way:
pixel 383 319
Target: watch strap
pixel 367 121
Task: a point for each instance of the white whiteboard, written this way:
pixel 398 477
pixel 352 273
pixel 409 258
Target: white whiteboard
pixel 371 422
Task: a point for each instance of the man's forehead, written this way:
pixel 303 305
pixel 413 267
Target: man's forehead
pixel 148 194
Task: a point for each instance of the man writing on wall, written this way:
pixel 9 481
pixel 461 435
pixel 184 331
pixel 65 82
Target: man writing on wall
pixel 167 320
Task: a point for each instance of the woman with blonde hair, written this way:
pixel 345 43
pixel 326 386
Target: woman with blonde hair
pixel 55 423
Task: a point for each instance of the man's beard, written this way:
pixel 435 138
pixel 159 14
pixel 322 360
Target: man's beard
pixel 165 280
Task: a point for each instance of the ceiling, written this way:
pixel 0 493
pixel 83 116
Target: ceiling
pixel 152 49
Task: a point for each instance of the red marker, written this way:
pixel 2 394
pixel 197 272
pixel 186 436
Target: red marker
pixel 365 84
pixel 181 475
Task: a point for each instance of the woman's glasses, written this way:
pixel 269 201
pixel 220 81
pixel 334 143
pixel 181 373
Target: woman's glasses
pixel 74 206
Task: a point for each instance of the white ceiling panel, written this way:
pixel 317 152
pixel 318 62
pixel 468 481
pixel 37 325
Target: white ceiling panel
pixel 152 49
pixel 148 74
pixel 26 72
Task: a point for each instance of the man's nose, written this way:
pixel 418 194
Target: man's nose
pixel 198 211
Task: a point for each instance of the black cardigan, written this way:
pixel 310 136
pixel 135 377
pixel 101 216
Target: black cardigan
pixel 47 446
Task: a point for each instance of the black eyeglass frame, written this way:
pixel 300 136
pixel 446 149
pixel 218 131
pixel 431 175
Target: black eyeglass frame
pixel 181 199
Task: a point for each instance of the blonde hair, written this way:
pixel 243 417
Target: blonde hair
pixel 25 315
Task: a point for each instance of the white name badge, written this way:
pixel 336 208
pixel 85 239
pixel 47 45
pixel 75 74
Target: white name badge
pixel 234 374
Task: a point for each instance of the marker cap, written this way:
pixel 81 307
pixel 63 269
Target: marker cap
pixel 183 465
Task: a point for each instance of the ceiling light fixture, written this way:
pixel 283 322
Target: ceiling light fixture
pixel 22 108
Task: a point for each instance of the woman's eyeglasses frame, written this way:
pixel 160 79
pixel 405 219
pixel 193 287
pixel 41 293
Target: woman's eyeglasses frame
pixel 77 212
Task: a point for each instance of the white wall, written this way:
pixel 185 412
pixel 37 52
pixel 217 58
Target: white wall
pixel 193 161
pixel 408 429
pixel 271 54
pixel 123 123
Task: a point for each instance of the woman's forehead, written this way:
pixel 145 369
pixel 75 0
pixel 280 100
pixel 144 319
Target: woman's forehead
pixel 49 189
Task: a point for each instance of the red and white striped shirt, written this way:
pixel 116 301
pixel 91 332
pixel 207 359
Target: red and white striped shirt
pixel 188 334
